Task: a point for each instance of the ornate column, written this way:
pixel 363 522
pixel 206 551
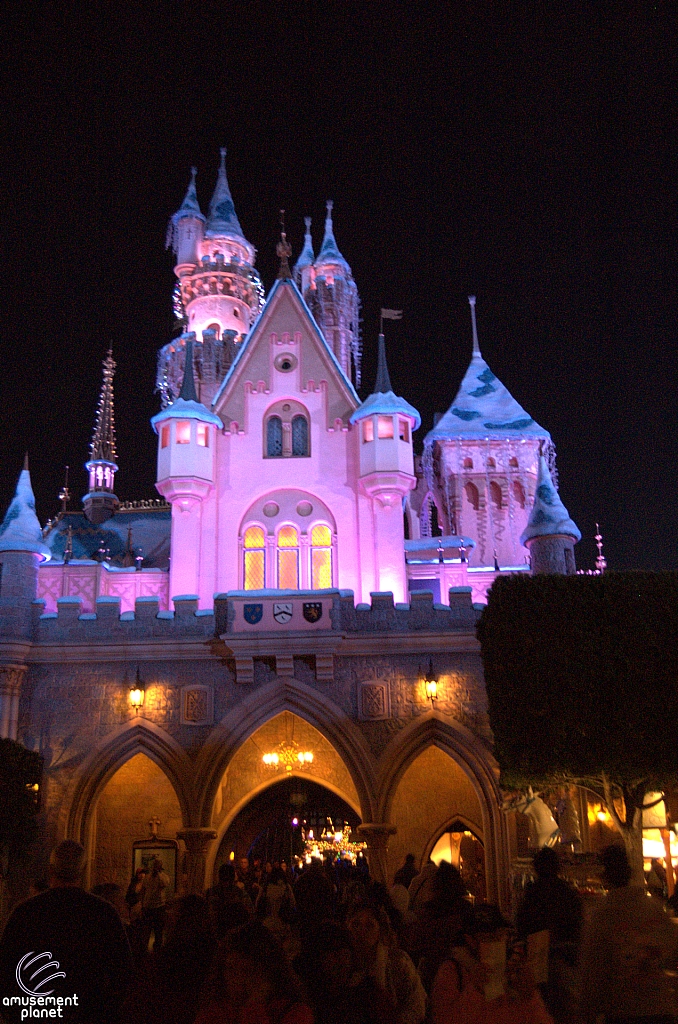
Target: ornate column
pixel 197 842
pixel 11 677
pixel 377 835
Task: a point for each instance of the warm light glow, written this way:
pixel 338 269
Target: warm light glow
pixel 287 755
pixel 254 575
pixel 432 689
pixel 202 435
pixel 368 430
pixel 136 697
pixel 165 436
pixel 183 432
pixel 385 426
pixel 321 557
pixel 288 558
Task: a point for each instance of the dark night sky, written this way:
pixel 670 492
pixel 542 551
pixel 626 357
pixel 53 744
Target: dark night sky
pixel 527 156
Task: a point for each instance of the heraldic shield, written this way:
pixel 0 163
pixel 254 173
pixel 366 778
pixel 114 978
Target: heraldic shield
pixel 313 611
pixel 252 613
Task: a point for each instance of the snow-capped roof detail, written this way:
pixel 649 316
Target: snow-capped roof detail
pixel 383 399
pixel 483 407
pixel 190 206
pixel 548 517
pixel 222 219
pixel 306 256
pixel 329 250
pixel 20 529
pixel 187 406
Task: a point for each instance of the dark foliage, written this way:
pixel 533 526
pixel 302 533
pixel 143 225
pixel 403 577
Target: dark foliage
pixel 582 678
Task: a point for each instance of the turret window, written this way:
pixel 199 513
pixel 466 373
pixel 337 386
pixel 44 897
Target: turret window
pixel 165 436
pixel 288 558
pixel 286 431
pixel 202 435
pixel 321 557
pixel 183 432
pixel 368 430
pixel 404 430
pixel 254 558
pixel 385 426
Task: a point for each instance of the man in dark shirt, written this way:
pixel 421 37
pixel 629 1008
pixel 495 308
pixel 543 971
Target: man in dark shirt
pixel 74 954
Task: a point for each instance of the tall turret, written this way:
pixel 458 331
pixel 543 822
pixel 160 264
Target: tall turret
pixel 303 268
pixel 187 439
pixel 385 424
pixel 550 534
pixel 100 502
pixel 332 297
pixel 220 294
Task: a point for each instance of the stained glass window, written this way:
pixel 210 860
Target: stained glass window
pixel 321 557
pixel 254 574
pixel 274 437
pixel 299 435
pixel 288 558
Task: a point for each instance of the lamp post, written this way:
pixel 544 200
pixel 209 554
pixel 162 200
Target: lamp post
pixel 137 693
pixel 431 683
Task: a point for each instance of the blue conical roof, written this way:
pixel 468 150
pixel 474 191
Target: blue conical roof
pixel 329 250
pixel 383 399
pixel 222 218
pixel 20 529
pixel 190 206
pixel 306 256
pixel 549 516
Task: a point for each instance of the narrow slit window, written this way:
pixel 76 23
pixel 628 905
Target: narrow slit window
pixel 321 558
pixel 254 558
pixel 165 436
pixel 299 436
pixel 274 438
pixel 404 430
pixel 368 430
pixel 288 558
pixel 203 435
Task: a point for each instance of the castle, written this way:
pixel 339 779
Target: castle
pixel 303 580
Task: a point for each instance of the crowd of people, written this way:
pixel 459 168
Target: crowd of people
pixel 329 945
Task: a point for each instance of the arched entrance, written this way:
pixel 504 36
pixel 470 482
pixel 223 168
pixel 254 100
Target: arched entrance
pixel 463 849
pixel 137 794
pixel 272 826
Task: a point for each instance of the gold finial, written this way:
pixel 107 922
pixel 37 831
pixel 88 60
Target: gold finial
pixel 284 251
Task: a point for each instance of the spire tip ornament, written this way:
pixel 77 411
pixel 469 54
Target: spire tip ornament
pixel 283 251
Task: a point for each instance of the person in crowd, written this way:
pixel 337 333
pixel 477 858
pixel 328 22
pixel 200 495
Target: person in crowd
pixel 76 930
pixel 405 874
pixel 171 977
pixel 314 896
pixel 251 982
pixel 154 893
pixel 421 887
pixel 228 903
pixel 656 879
pixel 378 958
pixel 276 906
pixel 37 885
pixel 552 905
pixel 442 919
pixel 625 948
pixel 480 984
pixel 113 894
pixel 326 966
pixel 136 930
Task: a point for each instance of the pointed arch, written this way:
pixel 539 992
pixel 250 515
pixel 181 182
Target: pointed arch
pixel 309 705
pixel 138 736
pixel 479 766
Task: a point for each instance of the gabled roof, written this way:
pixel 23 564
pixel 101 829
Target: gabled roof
pixel 549 516
pixel 20 529
pixel 282 286
pixel 483 407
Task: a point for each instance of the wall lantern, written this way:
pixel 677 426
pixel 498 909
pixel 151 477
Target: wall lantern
pixel 431 683
pixel 137 693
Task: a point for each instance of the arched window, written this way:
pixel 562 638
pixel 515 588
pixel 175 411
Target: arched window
pixel 495 494
pixel 299 435
pixel 288 558
pixel 254 558
pixel 519 493
pixel 274 438
pixel 472 496
pixel 513 462
pixel 491 464
pixel 321 557
pixel 468 463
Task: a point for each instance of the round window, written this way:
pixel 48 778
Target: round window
pixel 285 362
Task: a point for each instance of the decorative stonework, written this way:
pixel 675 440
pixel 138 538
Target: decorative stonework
pixel 374 701
pixel 196 705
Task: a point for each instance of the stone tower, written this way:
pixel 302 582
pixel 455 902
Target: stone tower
pixel 550 534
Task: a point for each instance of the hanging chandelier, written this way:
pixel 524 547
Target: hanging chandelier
pixel 288 756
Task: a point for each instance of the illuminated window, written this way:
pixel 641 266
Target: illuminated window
pixel 299 436
pixel 321 557
pixel 491 464
pixel 468 463
pixel 513 462
pixel 254 541
pixel 203 435
pixel 215 328
pixel 404 430
pixel 288 558
pixel 183 432
pixel 368 430
pixel 385 426
pixel 164 436
pixel 274 438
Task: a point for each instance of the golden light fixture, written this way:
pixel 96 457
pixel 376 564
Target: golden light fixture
pixel 137 693
pixel 288 756
pixel 431 683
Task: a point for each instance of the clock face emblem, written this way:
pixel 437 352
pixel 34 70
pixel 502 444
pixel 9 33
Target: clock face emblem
pixel 282 611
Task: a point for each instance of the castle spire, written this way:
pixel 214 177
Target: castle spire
pixel 283 251
pixel 382 384
pixel 476 346
pixel 188 392
pixel 550 534
pixel 306 256
pixel 329 250
pixel 222 218
pixel 190 206
pixel 20 529
pixel 100 502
